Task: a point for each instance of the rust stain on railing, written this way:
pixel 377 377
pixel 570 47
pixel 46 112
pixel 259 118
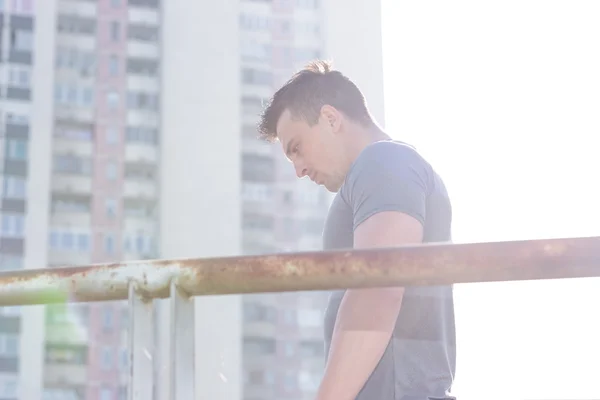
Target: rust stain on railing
pixel 427 264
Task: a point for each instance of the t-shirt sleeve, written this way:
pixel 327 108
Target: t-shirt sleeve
pixel 387 177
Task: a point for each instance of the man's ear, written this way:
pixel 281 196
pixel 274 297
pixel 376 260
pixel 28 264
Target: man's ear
pixel 332 117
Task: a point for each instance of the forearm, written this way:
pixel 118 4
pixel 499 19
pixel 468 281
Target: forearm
pixel 363 329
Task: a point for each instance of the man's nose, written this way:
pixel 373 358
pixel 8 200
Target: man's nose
pixel 300 171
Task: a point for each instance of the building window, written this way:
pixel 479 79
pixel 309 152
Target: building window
pixel 74 59
pixel 75 132
pixel 8 386
pixel 112 99
pixel 111 171
pixel 87 96
pixel 115 31
pixel 109 243
pixel 73 95
pixel 22 6
pixel 70 205
pixel 257 192
pixel 15 187
pixel 13 225
pixel 107 318
pixel 307 4
pixel 141 134
pixel 9 345
pixel 113 65
pixel 254 22
pixel 17 119
pixel 309 318
pixel 142 66
pixel 142 101
pixel 111 208
pixel 112 135
pixel 16 149
pixel 10 263
pixel 289 349
pixel 19 77
pixel 107 358
pixel 124 359
pixel 259 346
pixel 143 33
pixel 308 381
pixel 75 24
pixel 106 394
pixel 256 221
pixel 69 241
pixel 256 77
pixel 83 242
pixel 71 164
pixel 258 168
pixel 289 380
pixel 22 40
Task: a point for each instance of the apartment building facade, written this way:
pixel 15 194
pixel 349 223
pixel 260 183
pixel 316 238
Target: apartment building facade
pixel 111 112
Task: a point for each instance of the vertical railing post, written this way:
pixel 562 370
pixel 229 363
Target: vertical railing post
pixel 141 347
pixel 182 345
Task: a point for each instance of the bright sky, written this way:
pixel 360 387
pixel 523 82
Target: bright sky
pixel 504 99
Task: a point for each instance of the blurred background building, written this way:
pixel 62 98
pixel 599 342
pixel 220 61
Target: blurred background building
pixel 128 132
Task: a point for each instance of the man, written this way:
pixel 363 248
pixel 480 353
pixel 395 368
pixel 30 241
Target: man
pixel 381 343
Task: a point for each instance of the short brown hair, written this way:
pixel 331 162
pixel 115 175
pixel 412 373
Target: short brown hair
pixel 307 91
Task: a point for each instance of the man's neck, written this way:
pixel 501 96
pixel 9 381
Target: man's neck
pixel 363 137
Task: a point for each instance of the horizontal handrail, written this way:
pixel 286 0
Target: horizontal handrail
pixel 424 264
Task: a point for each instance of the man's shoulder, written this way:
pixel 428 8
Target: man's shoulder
pixel 386 157
pixel 387 148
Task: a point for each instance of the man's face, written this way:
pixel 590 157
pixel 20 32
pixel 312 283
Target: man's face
pixel 315 151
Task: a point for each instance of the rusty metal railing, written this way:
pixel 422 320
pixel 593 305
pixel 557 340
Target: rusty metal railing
pixel 179 280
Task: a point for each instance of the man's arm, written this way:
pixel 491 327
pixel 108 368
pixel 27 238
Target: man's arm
pixel 388 200
pixel 366 317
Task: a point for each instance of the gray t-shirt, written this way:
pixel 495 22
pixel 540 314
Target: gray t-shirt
pixel 419 362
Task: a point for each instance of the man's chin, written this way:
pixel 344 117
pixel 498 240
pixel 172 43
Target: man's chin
pixel 331 187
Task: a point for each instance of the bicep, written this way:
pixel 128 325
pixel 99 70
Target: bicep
pixel 388 229
pixel 388 196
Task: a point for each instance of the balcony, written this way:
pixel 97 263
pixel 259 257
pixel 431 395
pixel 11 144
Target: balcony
pixel 78 148
pixel 140 189
pixel 136 48
pixel 71 184
pixel 65 374
pixel 147 225
pixel 73 332
pixel 260 329
pixel 81 42
pixel 78 8
pixel 141 83
pixel 264 91
pixel 150 119
pixel 141 153
pixel 139 15
pixel 73 113
pixel 253 145
pixel 65 258
pixel 140 209
pixel 71 218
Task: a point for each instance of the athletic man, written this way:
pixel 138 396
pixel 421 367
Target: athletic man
pixel 381 343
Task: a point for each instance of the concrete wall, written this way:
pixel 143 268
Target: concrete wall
pixel 38 196
pixel 200 147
